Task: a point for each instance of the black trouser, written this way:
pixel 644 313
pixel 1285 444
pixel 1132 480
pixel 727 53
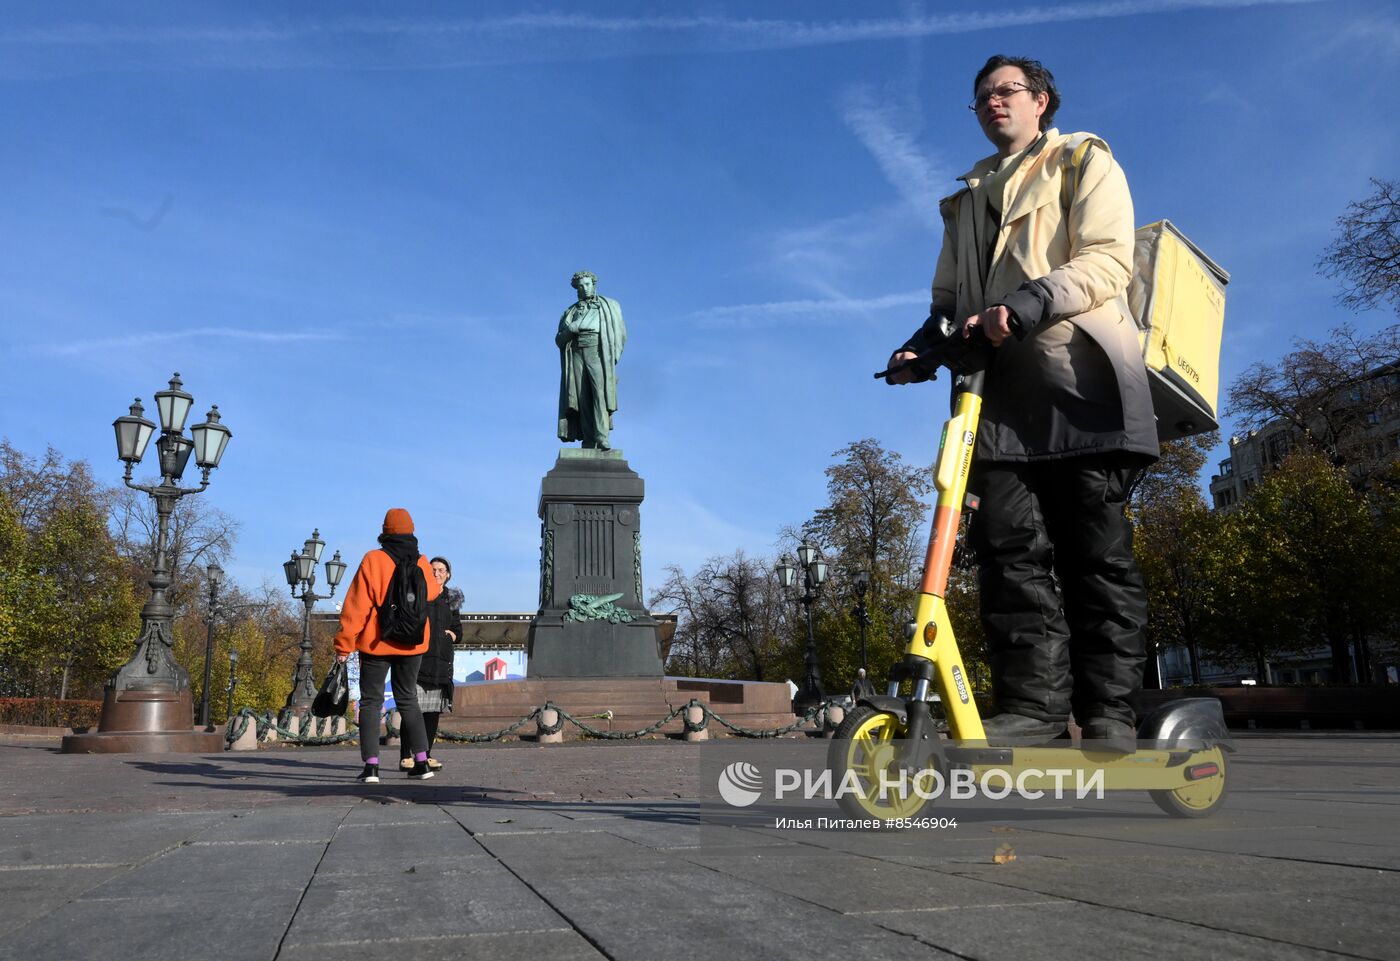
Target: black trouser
pixel 403 675
pixel 430 729
pixel 1081 648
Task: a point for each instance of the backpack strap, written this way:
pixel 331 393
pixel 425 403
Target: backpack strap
pixel 1078 154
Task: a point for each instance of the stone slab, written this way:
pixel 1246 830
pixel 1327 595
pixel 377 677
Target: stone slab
pixel 561 945
pixel 586 854
pixel 98 838
pixel 30 893
pixel 397 848
pixel 228 870
pixel 1084 932
pixel 855 884
pixel 677 910
pixel 276 824
pixel 424 904
pixel 183 924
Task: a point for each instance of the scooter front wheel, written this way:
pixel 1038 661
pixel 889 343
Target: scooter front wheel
pixel 1200 798
pixel 869 778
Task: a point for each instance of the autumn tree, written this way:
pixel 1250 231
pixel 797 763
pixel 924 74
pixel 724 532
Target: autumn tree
pixel 731 619
pixel 68 609
pixel 1307 559
pixel 874 520
pixel 1173 533
pixel 1330 393
pixel 265 615
pixel 199 534
pixel 1365 255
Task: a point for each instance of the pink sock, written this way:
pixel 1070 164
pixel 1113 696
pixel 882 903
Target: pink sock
pixel 421 756
pixel 372 760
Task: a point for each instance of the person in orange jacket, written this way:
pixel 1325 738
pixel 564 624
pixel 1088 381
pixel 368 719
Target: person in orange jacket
pixel 359 631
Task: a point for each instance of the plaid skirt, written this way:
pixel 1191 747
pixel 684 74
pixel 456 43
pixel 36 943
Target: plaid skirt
pixel 432 700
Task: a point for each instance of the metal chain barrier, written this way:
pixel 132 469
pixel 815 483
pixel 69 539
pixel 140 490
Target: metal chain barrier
pixel 266 720
pixel 494 735
pixel 812 713
pixel 611 735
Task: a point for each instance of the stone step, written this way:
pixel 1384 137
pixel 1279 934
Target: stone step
pixel 619 722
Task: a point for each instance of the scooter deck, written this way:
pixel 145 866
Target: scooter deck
pixel 1046 768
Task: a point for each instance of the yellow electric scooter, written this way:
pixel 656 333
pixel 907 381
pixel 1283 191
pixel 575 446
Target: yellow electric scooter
pixel 888 747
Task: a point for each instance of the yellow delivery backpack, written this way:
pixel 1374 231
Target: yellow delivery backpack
pixel 1177 296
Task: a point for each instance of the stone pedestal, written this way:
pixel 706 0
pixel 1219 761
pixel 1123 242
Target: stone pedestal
pixel 592 620
pixel 146 722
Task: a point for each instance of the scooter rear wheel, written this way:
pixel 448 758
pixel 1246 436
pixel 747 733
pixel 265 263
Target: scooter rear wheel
pixel 866 744
pixel 1200 798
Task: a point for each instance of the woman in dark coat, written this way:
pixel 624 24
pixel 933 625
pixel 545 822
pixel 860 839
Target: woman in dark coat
pixel 435 672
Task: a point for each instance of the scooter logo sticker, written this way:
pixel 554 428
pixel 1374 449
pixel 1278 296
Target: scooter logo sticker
pixel 960 683
pixel 740 784
pixel 966 460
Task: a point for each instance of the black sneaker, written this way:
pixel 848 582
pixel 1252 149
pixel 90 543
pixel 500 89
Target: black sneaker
pixel 370 775
pixel 1108 734
pixel 1011 730
pixel 421 771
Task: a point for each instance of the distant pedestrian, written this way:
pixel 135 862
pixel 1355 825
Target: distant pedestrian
pixel 380 656
pixel 862 687
pixel 435 673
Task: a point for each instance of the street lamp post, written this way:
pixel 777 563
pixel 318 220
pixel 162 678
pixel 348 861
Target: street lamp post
pixel 232 678
pixel 814 571
pixel 147 704
pixel 862 583
pixel 215 577
pixel 301 572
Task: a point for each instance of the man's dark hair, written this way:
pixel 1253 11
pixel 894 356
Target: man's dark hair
pixel 1038 79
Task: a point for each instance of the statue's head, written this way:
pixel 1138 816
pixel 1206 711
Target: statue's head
pixel 585 282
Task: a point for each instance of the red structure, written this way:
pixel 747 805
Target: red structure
pixel 495 669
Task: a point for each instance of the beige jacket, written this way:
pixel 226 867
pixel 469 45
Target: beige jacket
pixel 1074 381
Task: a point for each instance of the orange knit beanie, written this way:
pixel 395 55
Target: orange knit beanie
pixel 397 521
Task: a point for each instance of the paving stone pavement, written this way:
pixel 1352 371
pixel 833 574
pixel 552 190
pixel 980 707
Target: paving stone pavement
pixel 605 850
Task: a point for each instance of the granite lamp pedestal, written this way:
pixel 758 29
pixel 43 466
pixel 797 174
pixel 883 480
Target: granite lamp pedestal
pixel 592 621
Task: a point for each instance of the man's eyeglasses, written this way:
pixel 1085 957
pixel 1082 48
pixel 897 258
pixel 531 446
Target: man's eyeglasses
pixel 999 94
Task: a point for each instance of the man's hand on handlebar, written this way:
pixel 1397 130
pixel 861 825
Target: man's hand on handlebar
pixel 904 375
pixel 997 323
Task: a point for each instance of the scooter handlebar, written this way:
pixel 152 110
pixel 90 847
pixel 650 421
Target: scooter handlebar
pixel 946 347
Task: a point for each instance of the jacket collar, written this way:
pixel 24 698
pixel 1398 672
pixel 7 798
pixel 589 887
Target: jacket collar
pixel 1039 179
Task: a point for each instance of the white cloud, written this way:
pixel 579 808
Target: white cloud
pixel 880 126
pixel 160 337
pixel 544 36
pixel 1370 35
pixel 805 312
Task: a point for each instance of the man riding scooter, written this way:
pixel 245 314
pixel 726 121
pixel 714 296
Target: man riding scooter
pixel 1037 252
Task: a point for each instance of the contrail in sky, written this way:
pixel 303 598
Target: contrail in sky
pixel 145 339
pixel 700 32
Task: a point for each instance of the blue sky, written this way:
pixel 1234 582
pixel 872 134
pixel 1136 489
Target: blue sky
pixel 353 229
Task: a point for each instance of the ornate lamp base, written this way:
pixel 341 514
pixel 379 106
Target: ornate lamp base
pixel 146 722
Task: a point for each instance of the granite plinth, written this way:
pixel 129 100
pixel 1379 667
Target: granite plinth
pixel 592 621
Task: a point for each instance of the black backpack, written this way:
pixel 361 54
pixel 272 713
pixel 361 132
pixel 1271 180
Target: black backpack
pixel 405 607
